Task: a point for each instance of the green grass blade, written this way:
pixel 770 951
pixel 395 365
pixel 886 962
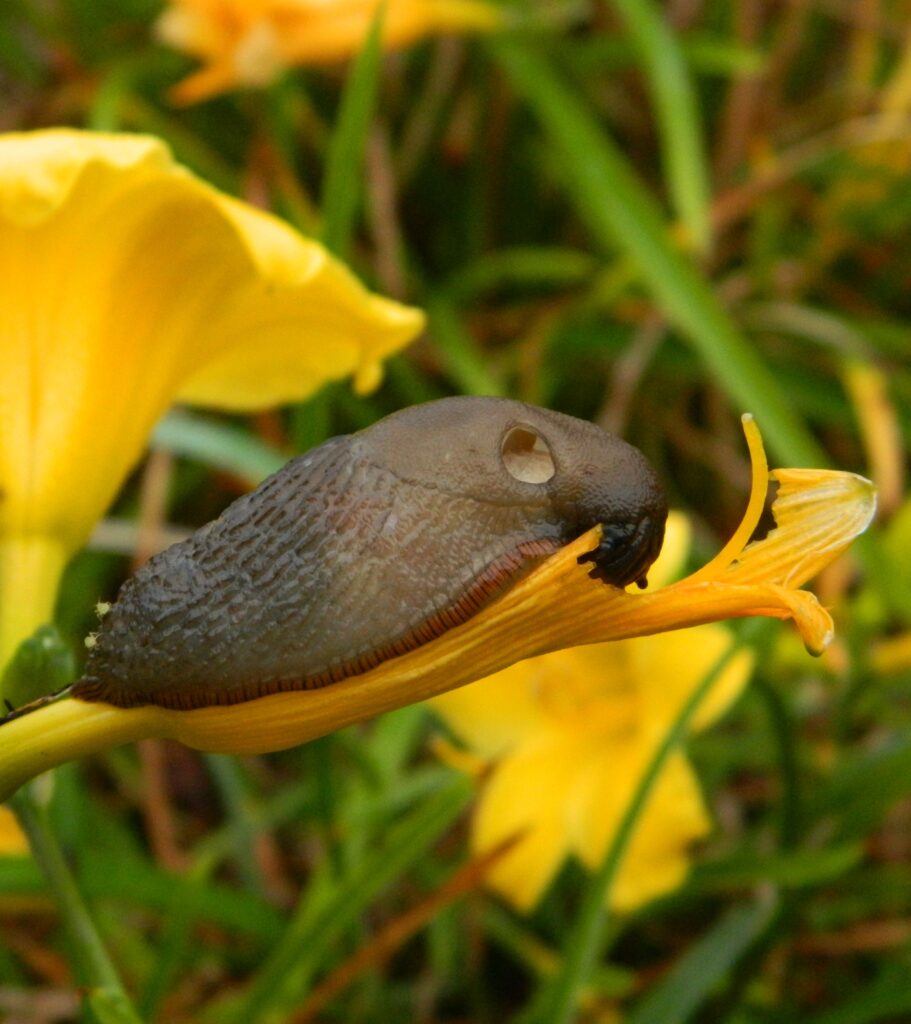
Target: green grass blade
pixel 558 1000
pixel 693 978
pixel 343 179
pixel 219 445
pixel 106 993
pixel 465 364
pixel 619 211
pixel 886 1001
pixel 311 933
pixel 677 111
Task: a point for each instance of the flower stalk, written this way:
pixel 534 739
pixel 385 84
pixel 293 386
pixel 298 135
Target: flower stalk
pixel 106 991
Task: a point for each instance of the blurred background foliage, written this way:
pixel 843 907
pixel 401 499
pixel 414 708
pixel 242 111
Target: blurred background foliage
pixel 653 215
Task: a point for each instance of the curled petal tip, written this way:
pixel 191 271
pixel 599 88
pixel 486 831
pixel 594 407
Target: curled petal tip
pixel 813 622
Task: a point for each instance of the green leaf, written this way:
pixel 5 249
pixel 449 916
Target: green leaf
pixel 468 367
pixel 705 964
pixel 887 999
pixel 42 664
pixel 343 178
pixel 677 111
pixel 792 870
pixel 111 1006
pixel 522 267
pixel 864 787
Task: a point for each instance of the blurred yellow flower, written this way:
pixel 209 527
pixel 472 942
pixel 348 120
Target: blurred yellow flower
pixel 127 284
pixel 248 42
pixel 568 737
pixel 817 514
pixel 12 840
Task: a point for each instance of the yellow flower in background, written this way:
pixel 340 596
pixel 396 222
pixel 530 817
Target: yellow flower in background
pixel 12 840
pixel 127 284
pixel 569 735
pixel 817 514
pixel 249 42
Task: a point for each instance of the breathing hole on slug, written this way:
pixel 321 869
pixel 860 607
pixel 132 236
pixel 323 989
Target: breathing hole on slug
pixel 526 456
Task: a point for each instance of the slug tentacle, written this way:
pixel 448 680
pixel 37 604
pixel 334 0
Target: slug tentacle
pixel 367 547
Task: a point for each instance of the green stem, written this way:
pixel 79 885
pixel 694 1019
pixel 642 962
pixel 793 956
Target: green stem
pixel 343 177
pixel 558 1001
pixel 94 964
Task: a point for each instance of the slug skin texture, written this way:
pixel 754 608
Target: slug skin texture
pixel 368 546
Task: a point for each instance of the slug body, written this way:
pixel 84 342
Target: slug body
pixel 368 546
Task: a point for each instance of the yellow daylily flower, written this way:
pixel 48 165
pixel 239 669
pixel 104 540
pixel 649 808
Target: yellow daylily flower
pixel 249 42
pixel 569 735
pixel 12 839
pixel 817 512
pixel 127 284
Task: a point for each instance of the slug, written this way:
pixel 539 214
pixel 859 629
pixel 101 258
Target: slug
pixel 368 546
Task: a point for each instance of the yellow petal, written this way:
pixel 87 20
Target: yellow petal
pixel 126 283
pixel 530 794
pixel 299 320
pixel 30 567
pixel 817 514
pixel 657 857
pixel 669 666
pixel 758 488
pixel 12 842
pixel 494 714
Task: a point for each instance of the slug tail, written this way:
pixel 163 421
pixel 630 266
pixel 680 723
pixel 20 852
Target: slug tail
pixel 489 584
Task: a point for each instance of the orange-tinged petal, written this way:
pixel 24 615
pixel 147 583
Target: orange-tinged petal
pixel 249 43
pixel 758 488
pixel 817 514
pixel 602 686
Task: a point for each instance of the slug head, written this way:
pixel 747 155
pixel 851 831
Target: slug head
pixel 557 468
